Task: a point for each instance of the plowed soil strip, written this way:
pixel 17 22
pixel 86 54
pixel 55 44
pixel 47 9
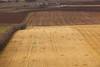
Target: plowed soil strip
pixel 7 19
pixel 58 18
pixel 55 46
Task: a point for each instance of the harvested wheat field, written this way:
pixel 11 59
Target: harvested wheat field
pixel 58 18
pixel 53 46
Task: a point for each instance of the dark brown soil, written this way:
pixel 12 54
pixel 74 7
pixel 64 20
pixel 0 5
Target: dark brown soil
pixel 58 18
pixel 71 8
pixel 97 14
pixel 74 18
pixel 12 18
pixel 87 3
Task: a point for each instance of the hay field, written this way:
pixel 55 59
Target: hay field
pixel 55 46
pixel 58 18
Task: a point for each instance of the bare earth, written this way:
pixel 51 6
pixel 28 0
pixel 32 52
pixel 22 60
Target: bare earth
pixel 53 46
pixel 58 18
pixel 12 18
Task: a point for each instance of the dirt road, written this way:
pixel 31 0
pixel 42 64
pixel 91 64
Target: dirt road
pixel 53 46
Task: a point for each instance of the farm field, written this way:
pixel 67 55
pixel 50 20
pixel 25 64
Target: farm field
pixel 58 18
pixel 7 19
pixel 53 46
pixel 97 14
pixel 53 39
pixel 83 6
pixel 20 4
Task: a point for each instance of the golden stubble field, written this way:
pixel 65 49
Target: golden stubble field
pixel 55 39
pixel 53 46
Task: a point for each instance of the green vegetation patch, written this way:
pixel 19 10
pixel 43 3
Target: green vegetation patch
pixel 3 28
